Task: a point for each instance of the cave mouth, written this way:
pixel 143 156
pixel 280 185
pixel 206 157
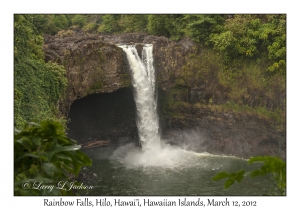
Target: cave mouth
pixel 103 117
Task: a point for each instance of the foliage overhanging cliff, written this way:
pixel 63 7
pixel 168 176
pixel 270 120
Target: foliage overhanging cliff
pixel 224 73
pixel 37 85
pixel 224 62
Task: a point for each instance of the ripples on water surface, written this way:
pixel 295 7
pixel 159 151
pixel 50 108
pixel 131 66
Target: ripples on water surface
pixel 167 171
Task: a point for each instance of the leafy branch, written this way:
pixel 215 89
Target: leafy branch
pixel 273 166
pixel 43 153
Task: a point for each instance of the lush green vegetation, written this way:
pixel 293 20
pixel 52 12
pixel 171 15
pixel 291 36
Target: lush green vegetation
pixel 234 35
pixel 247 53
pixel 49 24
pixel 260 37
pixel 37 85
pixel 44 154
pixel 244 54
pixel 272 167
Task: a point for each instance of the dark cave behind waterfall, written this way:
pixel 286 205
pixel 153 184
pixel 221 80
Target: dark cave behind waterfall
pixel 104 117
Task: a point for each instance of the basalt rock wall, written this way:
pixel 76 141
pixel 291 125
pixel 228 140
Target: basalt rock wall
pixel 92 66
pixel 95 64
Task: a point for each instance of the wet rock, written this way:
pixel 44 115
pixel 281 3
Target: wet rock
pixel 139 48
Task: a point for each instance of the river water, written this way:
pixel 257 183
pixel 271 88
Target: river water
pixel 125 171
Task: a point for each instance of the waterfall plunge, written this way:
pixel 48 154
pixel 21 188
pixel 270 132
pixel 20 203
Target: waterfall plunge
pixel 154 151
pixel 143 81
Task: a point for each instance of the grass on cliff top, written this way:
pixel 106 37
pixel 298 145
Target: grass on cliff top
pixel 245 77
pixel 277 115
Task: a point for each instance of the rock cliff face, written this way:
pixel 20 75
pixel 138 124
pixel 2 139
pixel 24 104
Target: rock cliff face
pixel 188 113
pixel 204 129
pixel 92 65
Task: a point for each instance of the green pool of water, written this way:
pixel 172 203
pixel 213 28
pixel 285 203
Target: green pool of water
pixel 128 171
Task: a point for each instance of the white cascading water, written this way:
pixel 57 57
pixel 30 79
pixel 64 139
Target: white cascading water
pixel 154 151
pixel 143 81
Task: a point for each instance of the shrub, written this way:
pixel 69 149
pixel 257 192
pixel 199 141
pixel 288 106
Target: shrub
pixel 44 154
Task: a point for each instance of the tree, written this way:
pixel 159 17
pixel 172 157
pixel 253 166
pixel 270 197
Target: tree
pixel 134 23
pixel 157 25
pixel 109 24
pixel 79 20
pixel 254 36
pixel 201 27
pixel 49 23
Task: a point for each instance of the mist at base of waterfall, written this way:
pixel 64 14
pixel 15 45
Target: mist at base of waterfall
pixel 128 170
pixel 160 155
pixel 158 168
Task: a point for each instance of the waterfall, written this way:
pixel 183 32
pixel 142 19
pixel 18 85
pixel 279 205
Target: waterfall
pixel 143 81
